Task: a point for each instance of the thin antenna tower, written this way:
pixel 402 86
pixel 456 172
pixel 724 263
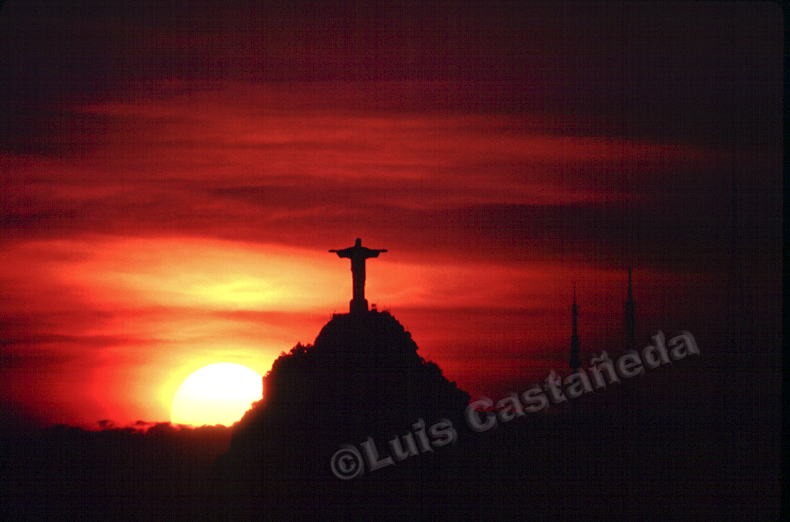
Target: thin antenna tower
pixel 630 318
pixel 575 364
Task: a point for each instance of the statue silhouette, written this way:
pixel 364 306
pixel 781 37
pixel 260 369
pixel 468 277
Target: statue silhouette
pixel 358 254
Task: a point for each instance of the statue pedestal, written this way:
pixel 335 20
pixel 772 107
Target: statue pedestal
pixel 358 306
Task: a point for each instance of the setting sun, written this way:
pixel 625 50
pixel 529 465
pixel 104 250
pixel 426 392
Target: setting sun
pixel 216 394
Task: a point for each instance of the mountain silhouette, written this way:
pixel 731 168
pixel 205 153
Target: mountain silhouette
pixel 620 453
pixel 362 378
pixel 646 450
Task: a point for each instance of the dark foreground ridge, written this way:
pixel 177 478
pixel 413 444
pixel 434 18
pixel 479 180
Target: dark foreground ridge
pixel 363 374
pixel 361 378
pixel 646 450
pixel 618 454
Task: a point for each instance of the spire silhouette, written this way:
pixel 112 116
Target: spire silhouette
pixel 735 305
pixel 358 254
pixel 575 364
pixel 630 318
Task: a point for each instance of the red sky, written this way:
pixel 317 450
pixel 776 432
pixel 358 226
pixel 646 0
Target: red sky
pixel 173 174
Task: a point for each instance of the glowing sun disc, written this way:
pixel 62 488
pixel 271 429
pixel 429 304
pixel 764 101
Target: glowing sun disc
pixel 216 394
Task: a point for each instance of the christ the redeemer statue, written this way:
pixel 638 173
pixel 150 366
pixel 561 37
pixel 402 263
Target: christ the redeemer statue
pixel 358 254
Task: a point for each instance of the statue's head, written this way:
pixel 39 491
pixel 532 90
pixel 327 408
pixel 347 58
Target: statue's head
pixel 358 242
